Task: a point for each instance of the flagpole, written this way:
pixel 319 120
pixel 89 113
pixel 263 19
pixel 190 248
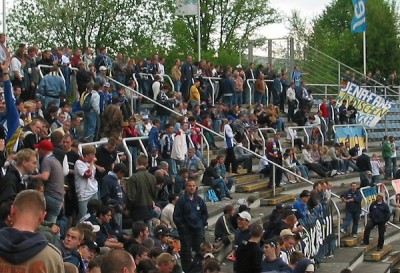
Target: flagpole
pixel 365 52
pixel 198 30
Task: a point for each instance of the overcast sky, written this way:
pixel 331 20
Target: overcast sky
pixel 308 8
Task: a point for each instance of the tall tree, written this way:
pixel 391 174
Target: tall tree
pixel 332 35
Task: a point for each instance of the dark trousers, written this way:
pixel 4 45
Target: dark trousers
pixel 190 241
pixel 230 160
pixel 247 162
pixel 381 232
pixel 278 173
pixel 291 108
pixel 316 168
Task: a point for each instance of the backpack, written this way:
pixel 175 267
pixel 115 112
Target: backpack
pixel 86 103
pixel 211 196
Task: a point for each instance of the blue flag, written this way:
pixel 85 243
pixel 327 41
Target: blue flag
pixel 359 22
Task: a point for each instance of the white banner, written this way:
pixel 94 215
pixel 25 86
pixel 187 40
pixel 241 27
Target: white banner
pixel 186 7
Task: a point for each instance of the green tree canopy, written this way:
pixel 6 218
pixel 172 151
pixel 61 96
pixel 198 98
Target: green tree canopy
pixel 331 34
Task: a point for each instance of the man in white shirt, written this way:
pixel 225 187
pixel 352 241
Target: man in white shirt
pixel 168 211
pixel 291 99
pixel 156 87
pixel 179 147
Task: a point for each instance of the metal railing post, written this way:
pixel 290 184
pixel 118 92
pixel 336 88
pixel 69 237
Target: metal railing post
pixel 273 180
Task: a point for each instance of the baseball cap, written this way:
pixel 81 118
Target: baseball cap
pixel 245 215
pixel 96 228
pixel 270 242
pixel 91 246
pixel 161 230
pixel 103 68
pixel 145 117
pixel 280 206
pixel 243 208
pixel 230 117
pixel 106 84
pixel 285 232
pixel 45 145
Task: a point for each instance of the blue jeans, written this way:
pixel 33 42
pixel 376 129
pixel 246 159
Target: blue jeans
pixel 375 180
pixel 351 216
pixel 53 208
pixel 304 171
pixel 239 98
pixel 89 125
pixel 177 85
pixel 230 183
pixel 83 205
pixel 228 100
pixel 172 166
pixel 259 98
pixel 48 100
pixel 393 161
pixel 388 167
pixel 220 184
pixel 217 125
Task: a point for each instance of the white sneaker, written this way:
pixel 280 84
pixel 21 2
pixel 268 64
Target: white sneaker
pixel 293 181
pixel 334 172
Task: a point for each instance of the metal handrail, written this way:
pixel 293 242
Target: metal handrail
pixel 210 79
pixel 49 66
pixel 125 145
pixel 262 136
pixel 250 91
pixel 96 143
pixel 162 76
pixel 352 125
pixel 305 131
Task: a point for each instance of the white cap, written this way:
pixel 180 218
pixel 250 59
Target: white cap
pixel 96 228
pixel 245 215
pixel 103 68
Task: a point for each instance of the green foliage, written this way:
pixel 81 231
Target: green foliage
pixel 332 35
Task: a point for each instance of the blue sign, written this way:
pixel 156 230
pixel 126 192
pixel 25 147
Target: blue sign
pixel 359 22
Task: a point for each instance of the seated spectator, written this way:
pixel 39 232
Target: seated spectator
pixel 287 243
pixel 69 248
pixel 311 164
pixel 221 169
pixel 180 180
pixel 224 231
pixel 325 160
pixel 162 239
pixel 301 206
pixel 394 202
pixel 194 165
pixel 88 250
pixel 207 122
pixel 300 264
pixel 241 156
pixel 288 164
pixel 211 178
pixel 264 167
pixel 139 253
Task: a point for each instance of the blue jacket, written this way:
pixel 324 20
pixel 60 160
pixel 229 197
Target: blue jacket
pixel 379 213
pixel 354 206
pixel 51 85
pixel 191 214
pixel 154 140
pixel 302 209
pixel 111 189
pixel 275 266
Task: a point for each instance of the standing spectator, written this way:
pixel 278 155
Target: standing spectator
pixel 249 254
pixel 238 87
pixel 353 199
pixel 32 74
pixel 53 176
pixel 91 98
pixel 111 190
pixel 333 118
pixel 260 89
pixel 352 113
pixel 387 157
pixel 242 234
pixel 378 214
pixel 179 148
pixel 194 94
pixel 177 75
pixel 70 199
pixel 187 76
pixel 250 76
pixel 291 100
pixel 154 136
pixel 141 193
pixel 393 157
pixel 363 163
pixel 102 59
pixel 274 154
pixel 229 144
pixel 85 182
pixel 52 87
pixel 83 78
pixel 190 217
pixel 21 245
pixel 343 115
pixel 119 68
pixel 16 70
pixel 376 169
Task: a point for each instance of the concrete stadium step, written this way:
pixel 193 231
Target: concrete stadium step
pixel 253 186
pixel 278 198
pixel 247 178
pixel 375 255
pixel 349 241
